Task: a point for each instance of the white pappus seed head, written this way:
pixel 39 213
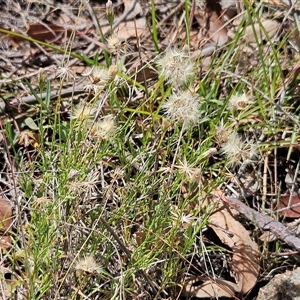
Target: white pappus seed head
pixel 239 101
pixel 82 111
pixel 238 151
pixel 183 106
pixel 116 45
pixel 176 67
pixel 104 129
pixel 86 265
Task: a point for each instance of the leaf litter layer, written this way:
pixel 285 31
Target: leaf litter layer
pixel 145 147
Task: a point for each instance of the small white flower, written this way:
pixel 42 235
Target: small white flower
pixel 176 67
pixel 184 219
pixel 89 87
pixel 189 172
pixel 109 4
pixel 183 106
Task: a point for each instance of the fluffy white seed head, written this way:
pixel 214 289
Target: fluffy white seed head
pixel 183 107
pixel 82 111
pixel 104 129
pixel 176 67
pixel 86 265
pixel 99 78
pixel 239 101
pixel 238 151
pixel 116 45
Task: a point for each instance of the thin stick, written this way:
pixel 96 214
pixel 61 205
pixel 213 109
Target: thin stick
pixel 264 222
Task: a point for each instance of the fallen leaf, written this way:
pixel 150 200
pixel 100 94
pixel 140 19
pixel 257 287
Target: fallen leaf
pixel 131 29
pixel 216 31
pixel 255 32
pixel 5 242
pixel 202 287
pixel 245 259
pixel 5 215
pixel 132 8
pixel 5 223
pixel 211 20
pixel 47 32
pixel 140 237
pixel 31 124
pixel 284 202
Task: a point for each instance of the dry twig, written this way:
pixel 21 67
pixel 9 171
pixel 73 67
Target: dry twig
pixel 265 223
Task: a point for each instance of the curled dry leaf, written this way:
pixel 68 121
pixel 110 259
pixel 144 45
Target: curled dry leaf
pixel 203 287
pixel 245 259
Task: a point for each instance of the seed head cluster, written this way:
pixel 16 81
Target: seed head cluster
pixel 103 129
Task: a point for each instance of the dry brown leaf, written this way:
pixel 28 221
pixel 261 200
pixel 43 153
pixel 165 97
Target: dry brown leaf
pixel 202 287
pixel 270 27
pixel 140 237
pixel 5 223
pixel 217 31
pixel 5 215
pixel 47 32
pixel 78 69
pixel 5 241
pixel 212 20
pixel 284 202
pixel 245 260
pixel 131 28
